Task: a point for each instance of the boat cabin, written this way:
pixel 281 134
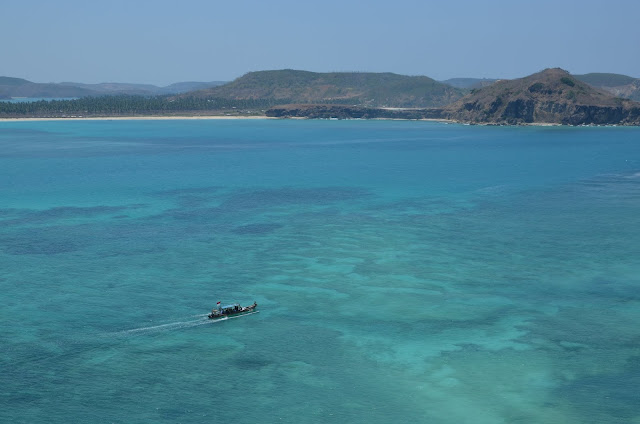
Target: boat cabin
pixel 230 309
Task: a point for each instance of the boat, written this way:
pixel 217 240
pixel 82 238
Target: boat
pixel 233 309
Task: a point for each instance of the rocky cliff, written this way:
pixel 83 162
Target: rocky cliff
pixel 350 112
pixel 552 96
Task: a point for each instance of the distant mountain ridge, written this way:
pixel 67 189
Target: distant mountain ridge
pixel 18 87
pixel 353 88
pixel 616 84
pixel 145 89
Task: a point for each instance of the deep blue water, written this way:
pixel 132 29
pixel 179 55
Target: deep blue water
pixel 405 271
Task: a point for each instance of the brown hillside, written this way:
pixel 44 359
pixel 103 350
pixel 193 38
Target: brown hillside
pixel 550 96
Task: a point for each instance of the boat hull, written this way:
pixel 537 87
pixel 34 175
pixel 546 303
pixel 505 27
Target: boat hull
pixel 244 310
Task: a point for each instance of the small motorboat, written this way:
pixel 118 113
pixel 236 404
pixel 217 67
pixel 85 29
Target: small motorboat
pixel 222 311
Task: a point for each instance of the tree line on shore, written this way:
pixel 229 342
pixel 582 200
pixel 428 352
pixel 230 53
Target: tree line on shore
pixel 131 105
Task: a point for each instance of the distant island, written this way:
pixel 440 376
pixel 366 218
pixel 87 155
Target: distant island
pixel 552 96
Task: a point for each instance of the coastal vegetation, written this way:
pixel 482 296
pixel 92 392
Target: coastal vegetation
pixel 255 92
pixel 552 96
pixel 124 105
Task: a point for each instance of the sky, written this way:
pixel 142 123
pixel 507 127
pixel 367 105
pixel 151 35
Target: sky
pixel 161 42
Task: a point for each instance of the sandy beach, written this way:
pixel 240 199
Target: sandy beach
pixel 131 118
pixel 217 117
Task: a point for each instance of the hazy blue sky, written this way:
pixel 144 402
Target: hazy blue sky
pixel 161 42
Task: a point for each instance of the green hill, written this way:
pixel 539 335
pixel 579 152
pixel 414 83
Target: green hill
pixel 353 88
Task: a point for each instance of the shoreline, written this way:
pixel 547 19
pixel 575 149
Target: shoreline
pixel 263 117
pixel 131 118
pixel 215 117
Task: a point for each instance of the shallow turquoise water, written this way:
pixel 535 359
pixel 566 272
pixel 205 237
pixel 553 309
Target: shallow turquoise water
pixel 404 271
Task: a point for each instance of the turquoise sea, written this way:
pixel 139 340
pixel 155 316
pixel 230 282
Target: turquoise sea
pixel 404 271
